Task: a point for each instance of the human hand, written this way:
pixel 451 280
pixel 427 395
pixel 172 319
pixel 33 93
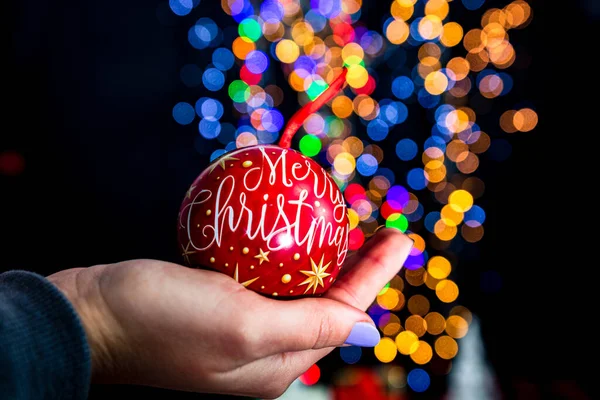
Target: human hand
pixel 160 324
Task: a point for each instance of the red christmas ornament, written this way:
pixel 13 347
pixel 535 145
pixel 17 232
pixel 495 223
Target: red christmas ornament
pixel 268 216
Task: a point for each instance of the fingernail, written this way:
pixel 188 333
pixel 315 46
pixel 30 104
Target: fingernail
pixel 363 334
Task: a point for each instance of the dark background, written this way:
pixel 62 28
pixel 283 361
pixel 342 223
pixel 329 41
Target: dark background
pixel 88 93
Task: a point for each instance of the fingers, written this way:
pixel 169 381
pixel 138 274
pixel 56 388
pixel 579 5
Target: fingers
pixel 375 264
pixel 312 323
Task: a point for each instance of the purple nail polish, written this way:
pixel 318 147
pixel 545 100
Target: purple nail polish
pixel 363 334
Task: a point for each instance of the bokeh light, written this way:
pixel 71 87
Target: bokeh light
pixel 419 64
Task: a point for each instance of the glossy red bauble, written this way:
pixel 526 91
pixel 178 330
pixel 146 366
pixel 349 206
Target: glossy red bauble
pixel 270 217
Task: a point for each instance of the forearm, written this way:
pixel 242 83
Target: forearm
pixel 44 353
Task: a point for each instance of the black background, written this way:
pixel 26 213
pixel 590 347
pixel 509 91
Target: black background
pixel 88 93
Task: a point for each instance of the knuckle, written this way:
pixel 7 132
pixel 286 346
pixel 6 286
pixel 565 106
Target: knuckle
pixel 274 388
pixel 325 332
pixel 243 338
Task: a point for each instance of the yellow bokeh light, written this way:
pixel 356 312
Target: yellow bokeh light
pixel 397 31
pixel 407 342
pixel 391 325
pixel 429 50
pixel 436 83
pixel 482 144
pixel 431 282
pixel 472 234
pixel 351 6
pixel 357 76
pixel 464 312
pixel 364 106
pixel 344 163
pixel 439 267
pixel 303 33
pixel 445 229
pixel 419 242
pixel 402 9
pixel 525 119
pixel 474 41
pixel 416 324
pixel 460 67
pixel 353 145
pixel 446 347
pixel 507 121
pixel 296 81
pixel 430 27
pixel 494 15
pixel 478 60
pixel 439 8
pixel 342 106
pixel 495 35
pixel 287 51
pixel 447 291
pixel 352 53
pixel 418 305
pixel 503 56
pixel 415 277
pixel 468 164
pixel 457 121
pixel 352 218
pixel 436 323
pixel 386 350
pixel 423 354
pixel 461 200
pixel 450 214
pixel 518 14
pixel 389 299
pixel 316 49
pixel 456 326
pixel 452 34
pixel 273 31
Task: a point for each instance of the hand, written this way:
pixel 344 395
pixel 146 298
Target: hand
pixel 160 324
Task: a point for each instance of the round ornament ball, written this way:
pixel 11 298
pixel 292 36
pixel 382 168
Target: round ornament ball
pixel 269 217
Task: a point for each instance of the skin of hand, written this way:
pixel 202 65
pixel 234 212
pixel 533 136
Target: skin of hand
pixel 160 324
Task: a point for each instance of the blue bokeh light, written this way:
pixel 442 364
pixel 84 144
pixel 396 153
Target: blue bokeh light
pixel 418 380
pixel 416 178
pixel 473 4
pixel 350 354
pixel 406 149
pixel 366 164
pixel 403 87
pixel 183 113
pixel 209 129
pixel 223 59
pixel 377 129
pixel 213 79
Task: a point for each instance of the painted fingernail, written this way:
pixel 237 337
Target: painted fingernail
pixel 363 334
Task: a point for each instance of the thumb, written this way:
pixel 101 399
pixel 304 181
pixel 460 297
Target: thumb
pixel 315 323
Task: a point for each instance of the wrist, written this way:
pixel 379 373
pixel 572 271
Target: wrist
pixel 82 289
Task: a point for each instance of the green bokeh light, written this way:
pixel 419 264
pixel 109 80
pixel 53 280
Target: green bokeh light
pixel 384 289
pixel 250 29
pixel 316 88
pixel 397 221
pixel 310 145
pixel 238 91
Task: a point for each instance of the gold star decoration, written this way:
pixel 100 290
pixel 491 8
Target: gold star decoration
pixel 262 256
pixel 315 277
pixel 186 252
pixel 236 277
pixel 222 162
pixel 190 190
